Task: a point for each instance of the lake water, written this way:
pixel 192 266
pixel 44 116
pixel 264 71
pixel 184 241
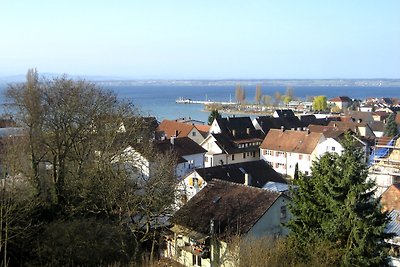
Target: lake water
pixel 159 101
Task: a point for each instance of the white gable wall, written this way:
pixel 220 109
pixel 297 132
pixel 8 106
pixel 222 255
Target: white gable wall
pixel 271 222
pixel 195 160
pixel 215 127
pixel 195 135
pixel 329 145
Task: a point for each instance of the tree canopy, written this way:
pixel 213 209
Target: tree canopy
pixel 214 114
pixel 240 94
pixel 258 94
pixel 335 205
pixel 320 103
pixel 73 156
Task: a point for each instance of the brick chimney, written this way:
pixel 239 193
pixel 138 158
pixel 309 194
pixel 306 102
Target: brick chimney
pixel 247 179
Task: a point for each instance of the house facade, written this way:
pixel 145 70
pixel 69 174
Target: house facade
pixel 283 150
pixel 223 150
pixel 341 102
pixel 200 236
pixel 175 128
pixel 189 155
pixel 231 140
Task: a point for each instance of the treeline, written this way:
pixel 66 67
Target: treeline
pixel 261 99
pixel 67 194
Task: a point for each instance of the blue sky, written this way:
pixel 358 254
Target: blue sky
pixel 189 39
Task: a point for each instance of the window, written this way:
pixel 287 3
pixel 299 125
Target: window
pixel 283 212
pixel 196 260
pixel 193 133
pixel 308 158
pixel 254 154
pixel 280 165
pixel 300 156
pixel 268 152
pixel 233 157
pixel 333 148
pixel 206 159
pixel 244 155
pixel 280 154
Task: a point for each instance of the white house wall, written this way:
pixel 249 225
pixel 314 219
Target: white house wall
pixel 215 127
pixel 285 162
pixel 271 222
pixel 210 145
pixel 132 158
pixel 196 136
pixel 195 160
pixel 329 145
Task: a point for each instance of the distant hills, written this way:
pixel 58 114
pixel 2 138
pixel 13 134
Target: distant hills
pixel 269 82
pixel 118 81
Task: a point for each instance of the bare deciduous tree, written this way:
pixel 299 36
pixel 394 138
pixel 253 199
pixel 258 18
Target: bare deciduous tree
pixel 258 95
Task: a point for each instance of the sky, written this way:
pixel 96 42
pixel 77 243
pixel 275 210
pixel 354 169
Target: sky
pixel 207 39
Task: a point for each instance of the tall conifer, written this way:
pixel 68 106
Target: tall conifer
pixel 391 126
pixel 335 205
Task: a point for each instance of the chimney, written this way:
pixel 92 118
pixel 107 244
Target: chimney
pixel 196 183
pixel 248 130
pixel 247 179
pixel 234 132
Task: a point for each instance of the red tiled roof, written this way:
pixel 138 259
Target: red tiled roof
pixel 327 131
pixel 291 141
pixel 170 127
pixel 203 129
pixel 340 99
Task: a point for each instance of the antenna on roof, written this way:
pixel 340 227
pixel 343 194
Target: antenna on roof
pixel 216 199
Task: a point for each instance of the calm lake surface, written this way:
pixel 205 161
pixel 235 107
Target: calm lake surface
pixel 159 101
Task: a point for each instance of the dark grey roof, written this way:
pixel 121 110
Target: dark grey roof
pixel 230 145
pixel 182 146
pixel 238 128
pixel 311 119
pixel 259 172
pixel 394 224
pixel 285 113
pixel 231 208
pixel 267 123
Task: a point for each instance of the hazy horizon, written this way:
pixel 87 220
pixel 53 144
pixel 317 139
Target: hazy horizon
pixel 174 39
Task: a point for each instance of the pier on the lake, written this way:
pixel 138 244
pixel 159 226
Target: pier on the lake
pixel 204 102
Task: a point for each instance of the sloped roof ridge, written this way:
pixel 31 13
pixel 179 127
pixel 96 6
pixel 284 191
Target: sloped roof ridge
pixel 243 185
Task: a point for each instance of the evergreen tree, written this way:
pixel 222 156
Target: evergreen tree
pixel 391 126
pixel 296 171
pixel 213 115
pixel 335 205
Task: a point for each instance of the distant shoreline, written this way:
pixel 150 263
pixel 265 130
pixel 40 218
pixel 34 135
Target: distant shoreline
pixel 263 82
pixel 110 81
